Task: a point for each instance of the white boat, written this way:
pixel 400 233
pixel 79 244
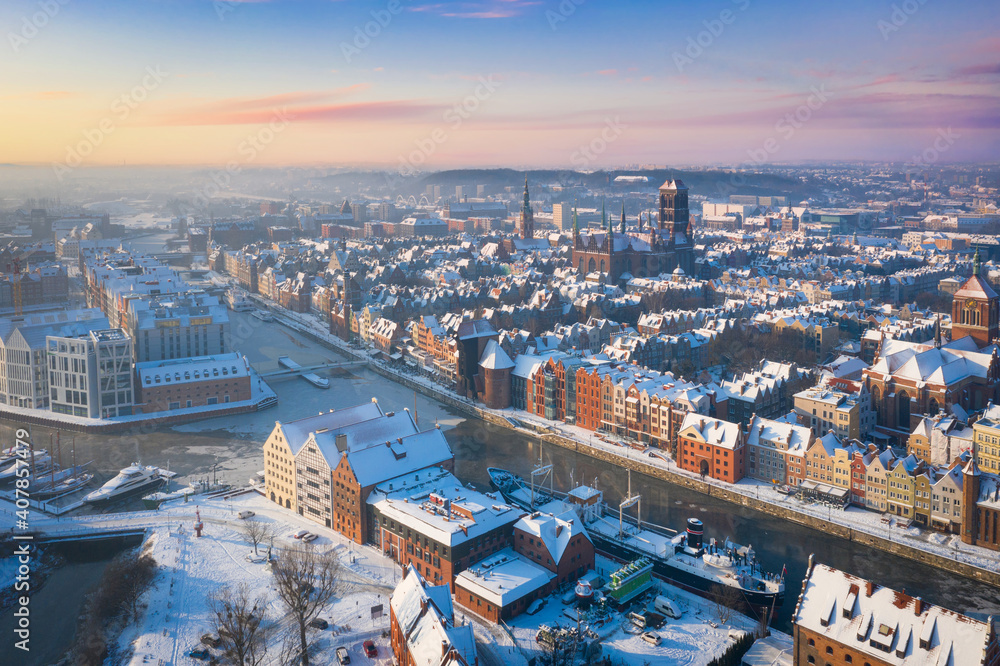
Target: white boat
pixel 133 479
pixel 263 315
pixel 41 459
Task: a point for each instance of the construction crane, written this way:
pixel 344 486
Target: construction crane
pixel 15 286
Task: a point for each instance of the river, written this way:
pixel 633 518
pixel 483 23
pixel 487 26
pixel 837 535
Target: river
pixel 479 445
pixel 232 449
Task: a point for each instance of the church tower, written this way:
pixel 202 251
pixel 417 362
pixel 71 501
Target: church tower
pixel 975 309
pixel 674 214
pixel 527 223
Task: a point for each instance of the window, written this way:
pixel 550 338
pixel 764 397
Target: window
pixel 829 649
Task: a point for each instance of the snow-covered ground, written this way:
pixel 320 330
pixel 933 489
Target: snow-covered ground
pixel 192 568
pixel 694 639
pixel 176 614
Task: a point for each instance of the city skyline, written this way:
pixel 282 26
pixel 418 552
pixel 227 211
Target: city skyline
pixel 413 85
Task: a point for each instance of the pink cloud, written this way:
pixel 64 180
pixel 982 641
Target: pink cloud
pixel 488 9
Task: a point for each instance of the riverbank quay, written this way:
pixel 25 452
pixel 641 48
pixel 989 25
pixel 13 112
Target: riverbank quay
pixel 854 525
pixel 262 397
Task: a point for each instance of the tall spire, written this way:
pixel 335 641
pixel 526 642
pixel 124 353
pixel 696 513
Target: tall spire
pixel 975 262
pixel 576 224
pixel 604 214
pixel 527 218
pixel 623 215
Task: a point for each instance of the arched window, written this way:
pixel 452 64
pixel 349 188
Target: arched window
pixel 932 407
pixel 591 266
pixel 903 410
pixel 602 265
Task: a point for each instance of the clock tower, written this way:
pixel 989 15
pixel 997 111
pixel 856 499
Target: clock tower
pixel 976 309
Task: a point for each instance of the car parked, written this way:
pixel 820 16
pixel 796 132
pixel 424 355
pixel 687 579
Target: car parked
pixel 319 623
pixel 211 640
pixel 370 650
pixel 199 653
pixel 342 656
pixel 651 638
pixel 309 537
pixel 246 514
pixel 299 534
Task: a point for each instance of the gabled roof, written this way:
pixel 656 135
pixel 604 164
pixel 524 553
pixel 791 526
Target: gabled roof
pixel 554 531
pixel 297 432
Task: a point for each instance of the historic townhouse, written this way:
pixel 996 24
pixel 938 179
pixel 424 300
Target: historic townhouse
pixel 772 448
pixel 986 439
pixel 819 459
pixel 711 447
pixel 877 467
pixel 324 467
pixel 842 619
pixel 946 500
pixel 901 486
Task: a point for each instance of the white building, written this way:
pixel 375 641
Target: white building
pixel 24 380
pixel 91 374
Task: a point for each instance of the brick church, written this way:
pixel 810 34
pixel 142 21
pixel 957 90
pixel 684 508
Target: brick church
pixel 975 310
pixel 646 253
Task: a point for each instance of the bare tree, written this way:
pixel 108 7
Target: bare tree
pixel 238 618
pixel 256 532
pixel 306 580
pixel 726 599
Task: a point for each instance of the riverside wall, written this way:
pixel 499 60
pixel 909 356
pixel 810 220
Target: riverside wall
pixel 637 465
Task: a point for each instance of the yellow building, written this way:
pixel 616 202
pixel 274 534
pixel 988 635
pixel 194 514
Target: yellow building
pixel 923 489
pixel 986 439
pixel 901 486
pixel 850 415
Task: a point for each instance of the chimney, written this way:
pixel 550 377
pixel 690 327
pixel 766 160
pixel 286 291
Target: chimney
pixel 423 605
pixel 869 588
pixel 445 648
pixel 559 529
pixel 918 606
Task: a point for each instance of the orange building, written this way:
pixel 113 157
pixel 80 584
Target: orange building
pixel 711 447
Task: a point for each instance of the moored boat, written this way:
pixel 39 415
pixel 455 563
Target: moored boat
pixel 708 568
pixel 130 481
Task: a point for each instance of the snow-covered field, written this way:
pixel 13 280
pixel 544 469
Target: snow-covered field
pixel 191 568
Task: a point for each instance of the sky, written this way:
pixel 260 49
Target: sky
pixel 414 84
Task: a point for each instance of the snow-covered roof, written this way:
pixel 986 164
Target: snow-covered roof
pixel 712 431
pixel 436 505
pixel 504 577
pixel 425 617
pixel 861 615
pixel 197 369
pixel 555 532
pixel 495 358
pixel 297 432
